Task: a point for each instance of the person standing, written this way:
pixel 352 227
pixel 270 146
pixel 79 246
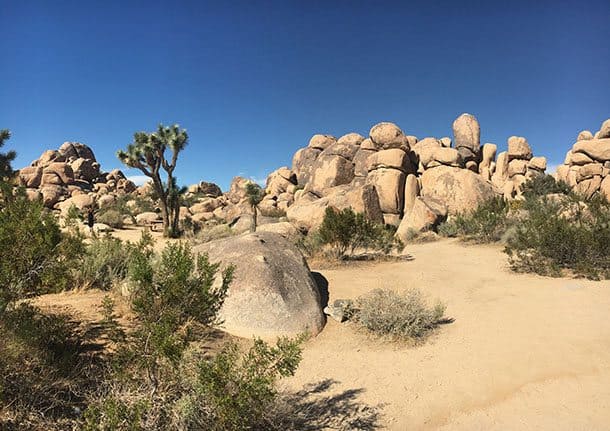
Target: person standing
pixel 90 219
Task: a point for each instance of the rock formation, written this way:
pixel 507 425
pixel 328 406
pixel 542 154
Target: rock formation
pixel 71 176
pixel 587 165
pixel 273 293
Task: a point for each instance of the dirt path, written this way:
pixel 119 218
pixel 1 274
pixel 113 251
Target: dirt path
pixel 524 352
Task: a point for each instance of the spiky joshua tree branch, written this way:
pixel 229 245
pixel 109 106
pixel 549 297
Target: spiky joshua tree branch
pixel 147 153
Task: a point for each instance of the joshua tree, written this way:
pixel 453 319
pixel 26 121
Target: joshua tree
pixel 147 153
pixel 6 158
pixel 255 195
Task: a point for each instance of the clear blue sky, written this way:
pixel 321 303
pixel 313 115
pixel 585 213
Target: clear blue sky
pixel 253 80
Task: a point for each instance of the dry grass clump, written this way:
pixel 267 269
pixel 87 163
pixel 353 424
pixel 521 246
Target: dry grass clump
pixel 402 315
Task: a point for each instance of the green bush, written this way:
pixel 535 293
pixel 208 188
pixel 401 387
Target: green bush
pixel 34 255
pixel 566 234
pixel 156 385
pixel 112 218
pixel 542 185
pixel 235 391
pixel 486 223
pixel 344 231
pixel 41 370
pixel 106 261
pixel 405 315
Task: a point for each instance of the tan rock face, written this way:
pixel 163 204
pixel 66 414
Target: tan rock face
pixel 347 151
pixel 460 189
pixel 330 171
pixel 57 173
pixel 321 142
pixel 388 135
pixel 303 163
pixel 598 149
pixel 425 214
pixel 517 167
pixel 306 214
pixel 585 135
pixel 518 148
pixel 30 176
pixel 393 158
pixel 361 162
pixel 537 163
pixel 604 131
pixel 351 139
pixel 370 202
pixel 588 187
pixel 280 181
pixel 273 292
pixel 205 206
pixel 51 194
pixel 389 184
pixel 467 133
pixel 579 159
pixel 85 169
pixel 489 155
pixel 588 171
pixel 411 192
pixel 76 150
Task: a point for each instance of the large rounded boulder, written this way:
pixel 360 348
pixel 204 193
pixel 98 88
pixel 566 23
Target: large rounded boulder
pixel 273 292
pixel 460 189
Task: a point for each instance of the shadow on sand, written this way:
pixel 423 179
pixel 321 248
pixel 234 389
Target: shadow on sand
pixel 313 408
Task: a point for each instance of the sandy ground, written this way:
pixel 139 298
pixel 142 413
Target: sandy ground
pixel 524 352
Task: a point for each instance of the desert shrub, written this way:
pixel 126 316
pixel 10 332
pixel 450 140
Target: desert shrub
pixel 566 234
pixel 486 223
pixel 402 315
pixel 107 260
pixel 42 374
pixel 211 233
pixel 111 217
pixel 235 390
pixel 155 385
pixel 542 185
pixel 344 231
pixel 34 255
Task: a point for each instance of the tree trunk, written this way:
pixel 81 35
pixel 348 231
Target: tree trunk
pixel 254 217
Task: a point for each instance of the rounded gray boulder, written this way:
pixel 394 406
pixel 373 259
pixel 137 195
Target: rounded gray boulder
pixel 273 292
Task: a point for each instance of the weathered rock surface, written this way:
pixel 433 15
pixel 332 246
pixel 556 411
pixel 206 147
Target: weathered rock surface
pixel 460 190
pixel 273 293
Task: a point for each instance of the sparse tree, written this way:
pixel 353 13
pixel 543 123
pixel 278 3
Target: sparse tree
pixel 6 171
pixel 255 195
pixel 147 153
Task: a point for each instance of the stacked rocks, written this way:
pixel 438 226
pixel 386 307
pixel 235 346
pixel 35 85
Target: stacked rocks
pixel 393 177
pixel 515 166
pixel 587 165
pixel 64 175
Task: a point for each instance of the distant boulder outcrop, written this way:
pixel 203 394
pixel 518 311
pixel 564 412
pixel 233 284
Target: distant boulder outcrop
pixel 64 176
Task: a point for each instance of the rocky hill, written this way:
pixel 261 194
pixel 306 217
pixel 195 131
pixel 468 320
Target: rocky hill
pixel 390 176
pixel 71 175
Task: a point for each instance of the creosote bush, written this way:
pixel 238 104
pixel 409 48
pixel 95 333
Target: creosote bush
pixel 563 234
pixel 400 315
pixel 106 261
pixel 34 255
pixel 345 230
pixel 485 224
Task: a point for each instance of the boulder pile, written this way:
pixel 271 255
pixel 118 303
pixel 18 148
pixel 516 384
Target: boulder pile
pixel 397 178
pixel 587 165
pixel 70 176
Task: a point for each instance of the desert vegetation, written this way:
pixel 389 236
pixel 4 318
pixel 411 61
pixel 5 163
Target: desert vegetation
pixel 157 373
pixel 343 232
pixel 550 231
